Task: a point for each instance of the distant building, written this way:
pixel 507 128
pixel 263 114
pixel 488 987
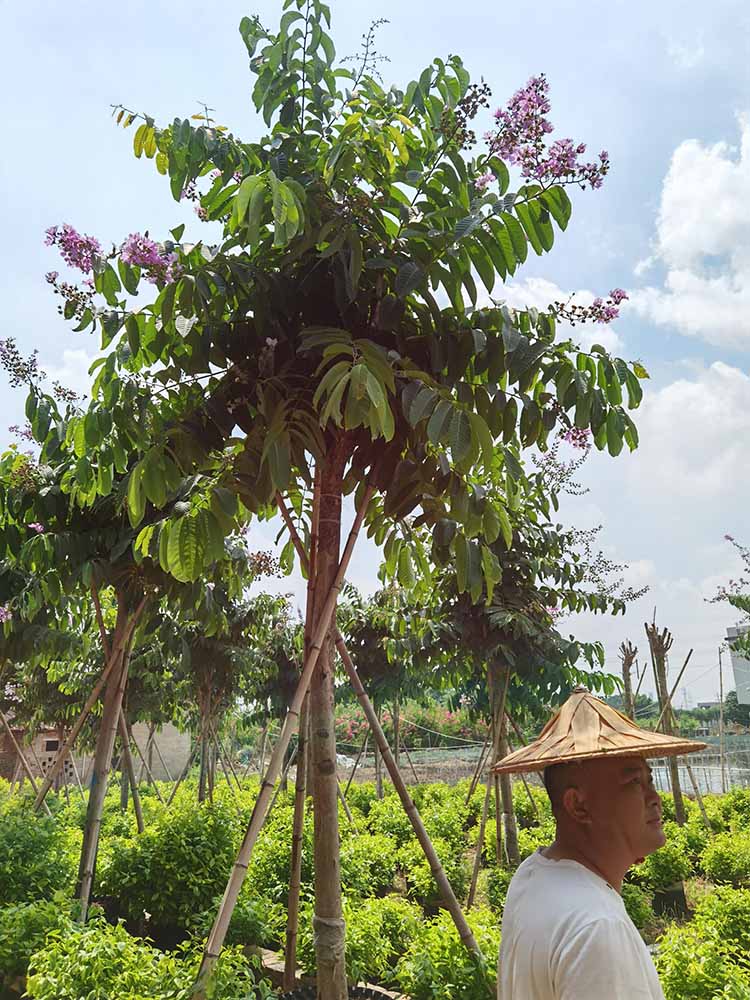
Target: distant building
pixel 166 758
pixel 740 666
pixel 709 704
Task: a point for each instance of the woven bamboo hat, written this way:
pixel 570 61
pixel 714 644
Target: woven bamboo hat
pixel 586 728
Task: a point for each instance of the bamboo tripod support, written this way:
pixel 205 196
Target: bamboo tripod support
pixel 218 931
pixel 444 886
pixel 24 764
pixel 127 757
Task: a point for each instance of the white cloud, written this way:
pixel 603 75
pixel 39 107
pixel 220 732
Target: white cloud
pixel 540 293
pixel 685 55
pixel 703 241
pixel 72 371
pixel 694 434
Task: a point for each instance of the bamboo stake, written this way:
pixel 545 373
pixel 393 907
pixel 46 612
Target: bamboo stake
pixel 130 769
pixel 480 846
pixel 411 764
pixel 22 762
pixel 218 931
pixel 345 804
pixel 227 758
pixel 184 773
pixel 145 765
pixel 284 772
pixel 531 798
pixel 362 752
pixel 670 699
pixel 478 769
pixel 149 738
pixel 444 886
pixel 77 775
pixel 155 745
pixel 721 725
pixel 298 833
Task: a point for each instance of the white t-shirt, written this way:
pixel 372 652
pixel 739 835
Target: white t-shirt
pixel 567 936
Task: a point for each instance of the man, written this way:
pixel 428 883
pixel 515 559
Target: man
pixel 566 934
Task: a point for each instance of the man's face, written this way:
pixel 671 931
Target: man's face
pixel 624 806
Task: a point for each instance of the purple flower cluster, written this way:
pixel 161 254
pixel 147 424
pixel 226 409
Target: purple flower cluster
pixel 5 613
pixel 578 437
pixel 76 250
pixel 484 180
pixel 600 311
pixel 24 432
pixel 158 265
pixel 36 526
pixel 520 138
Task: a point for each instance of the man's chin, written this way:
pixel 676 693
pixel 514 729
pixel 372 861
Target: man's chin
pixel 657 836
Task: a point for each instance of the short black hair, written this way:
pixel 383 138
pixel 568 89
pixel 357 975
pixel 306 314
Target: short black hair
pixel 557 778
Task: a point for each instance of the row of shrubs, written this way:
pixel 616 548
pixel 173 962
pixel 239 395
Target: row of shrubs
pixel 165 883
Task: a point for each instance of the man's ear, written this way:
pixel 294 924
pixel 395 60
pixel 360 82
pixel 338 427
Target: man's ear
pixel 575 805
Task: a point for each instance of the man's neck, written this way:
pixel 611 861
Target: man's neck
pixel 598 862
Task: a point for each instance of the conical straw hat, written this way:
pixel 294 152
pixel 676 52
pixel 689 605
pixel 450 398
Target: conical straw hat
pixel 586 728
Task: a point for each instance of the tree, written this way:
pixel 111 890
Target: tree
pixel 734 712
pixel 315 328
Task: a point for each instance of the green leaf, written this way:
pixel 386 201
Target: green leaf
pixel 438 422
pixel 460 436
pixel 615 431
pixel 409 276
pixel 505 525
pixel 517 238
pixel 461 552
pixel 136 496
pixel 421 405
pixel 244 194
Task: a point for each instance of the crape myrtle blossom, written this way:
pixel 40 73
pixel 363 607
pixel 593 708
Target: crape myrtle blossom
pixel 158 265
pixel 5 613
pixel 578 437
pixel 600 311
pixel 36 526
pixel 484 180
pixel 76 250
pixel 520 137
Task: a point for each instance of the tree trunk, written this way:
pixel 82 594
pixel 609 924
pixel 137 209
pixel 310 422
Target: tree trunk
pixel 298 828
pixel 103 759
pixel 328 921
pixel 659 643
pixel 124 784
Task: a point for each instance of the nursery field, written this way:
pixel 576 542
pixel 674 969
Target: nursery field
pixel 156 894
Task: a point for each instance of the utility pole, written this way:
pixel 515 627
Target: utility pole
pixel 721 725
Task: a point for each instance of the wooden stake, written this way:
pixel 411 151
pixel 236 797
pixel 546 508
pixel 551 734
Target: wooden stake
pixel 130 770
pixel 298 834
pixel 160 755
pixel 22 763
pixel 362 752
pixel 145 766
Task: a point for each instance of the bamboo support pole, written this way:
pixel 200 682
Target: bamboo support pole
pixel 160 755
pixel 480 846
pixel 22 763
pixel 184 773
pixel 145 765
pixel 670 699
pixel 218 931
pixel 444 886
pixel 298 833
pixel 345 805
pixel 478 769
pixel 411 763
pixel 149 741
pixel 362 752
pixel 127 757
pixel 227 758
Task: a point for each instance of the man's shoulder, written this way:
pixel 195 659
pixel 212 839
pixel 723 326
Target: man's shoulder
pixel 563 888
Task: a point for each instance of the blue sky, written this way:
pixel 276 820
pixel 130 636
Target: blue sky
pixel 662 86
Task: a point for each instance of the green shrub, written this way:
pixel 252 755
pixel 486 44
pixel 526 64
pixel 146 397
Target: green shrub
pixel 638 904
pixel 24 928
pixel 270 862
pixel 420 884
pixel 532 839
pixel 498 880
pixel 726 911
pixel 368 864
pixel 736 805
pixel 255 921
pixel 378 933
pixel 388 816
pixel 38 856
pixel 446 822
pixel 695 964
pixel 102 962
pixel 526 814
pixel 362 796
pixel 727 859
pixel 175 869
pixel 438 966
pixel 666 866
